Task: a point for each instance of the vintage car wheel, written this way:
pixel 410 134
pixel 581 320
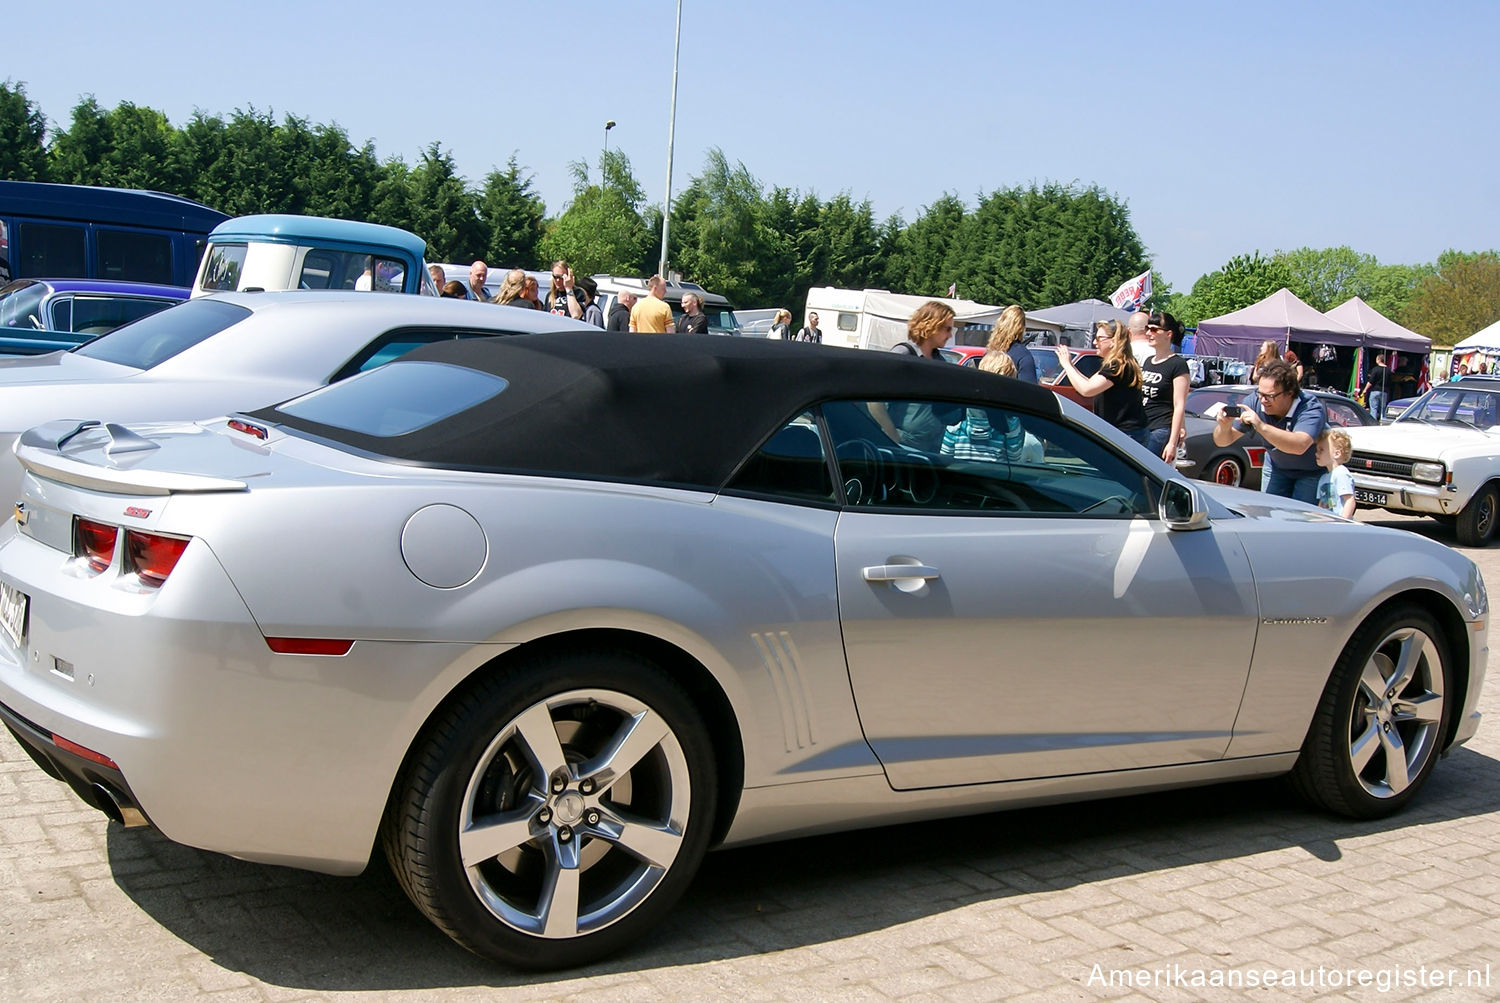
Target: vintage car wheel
pixel 1226 470
pixel 1476 523
pixel 556 811
pixel 1380 723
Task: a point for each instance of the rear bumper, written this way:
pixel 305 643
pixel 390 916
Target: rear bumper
pixel 228 746
pixel 98 785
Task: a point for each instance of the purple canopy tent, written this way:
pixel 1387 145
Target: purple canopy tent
pixel 1280 317
pixel 1379 330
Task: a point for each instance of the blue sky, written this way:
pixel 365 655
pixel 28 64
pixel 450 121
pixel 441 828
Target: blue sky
pixel 1226 128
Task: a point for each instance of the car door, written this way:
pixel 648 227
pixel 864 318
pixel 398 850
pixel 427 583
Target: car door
pixel 1012 606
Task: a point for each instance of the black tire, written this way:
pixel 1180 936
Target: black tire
pixel 1227 470
pixel 550 882
pixel 1349 759
pixel 1475 524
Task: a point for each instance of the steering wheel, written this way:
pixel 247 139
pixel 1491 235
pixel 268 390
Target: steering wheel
pixel 859 462
pixel 921 478
pixel 997 493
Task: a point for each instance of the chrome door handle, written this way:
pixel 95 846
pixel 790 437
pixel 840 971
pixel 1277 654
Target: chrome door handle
pixel 899 572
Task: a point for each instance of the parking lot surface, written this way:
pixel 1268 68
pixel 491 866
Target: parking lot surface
pixel 1213 893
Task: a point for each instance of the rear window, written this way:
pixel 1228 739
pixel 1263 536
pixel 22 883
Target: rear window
pixel 396 399
pixel 153 340
pixel 100 315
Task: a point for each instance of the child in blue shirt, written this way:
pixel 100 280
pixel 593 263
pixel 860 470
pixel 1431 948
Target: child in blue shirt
pixel 1336 485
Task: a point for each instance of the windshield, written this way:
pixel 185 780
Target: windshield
pixel 153 340
pixel 1456 406
pixel 21 305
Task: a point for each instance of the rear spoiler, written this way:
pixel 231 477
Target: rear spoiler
pixel 40 451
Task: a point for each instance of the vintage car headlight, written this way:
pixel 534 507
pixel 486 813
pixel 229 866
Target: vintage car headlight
pixel 1431 473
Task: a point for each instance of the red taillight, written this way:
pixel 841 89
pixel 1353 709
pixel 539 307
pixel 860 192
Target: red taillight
pixel 95 541
pixel 152 556
pixel 308 646
pixel 84 751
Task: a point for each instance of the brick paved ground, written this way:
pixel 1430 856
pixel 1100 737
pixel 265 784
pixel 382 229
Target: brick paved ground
pixel 1021 905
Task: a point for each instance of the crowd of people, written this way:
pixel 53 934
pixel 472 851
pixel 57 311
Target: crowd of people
pixel 1141 388
pixel 577 297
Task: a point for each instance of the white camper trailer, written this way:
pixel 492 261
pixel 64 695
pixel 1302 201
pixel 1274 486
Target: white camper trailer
pixel 875 318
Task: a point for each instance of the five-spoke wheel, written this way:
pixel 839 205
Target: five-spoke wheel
pixel 555 813
pixel 1380 724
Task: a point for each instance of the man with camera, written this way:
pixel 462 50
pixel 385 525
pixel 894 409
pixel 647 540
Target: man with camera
pixel 1290 420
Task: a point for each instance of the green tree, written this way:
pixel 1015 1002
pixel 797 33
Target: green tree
pixel 848 233
pixel 1461 296
pixel 128 147
pixel 1389 288
pixel 443 211
pixel 723 236
pixel 1244 279
pixel 79 151
pixel 1330 275
pixel 602 230
pixel 511 216
pixel 917 262
pixel 1043 245
pixel 23 134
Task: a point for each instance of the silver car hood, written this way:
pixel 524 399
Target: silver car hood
pixel 1260 505
pixel 58 367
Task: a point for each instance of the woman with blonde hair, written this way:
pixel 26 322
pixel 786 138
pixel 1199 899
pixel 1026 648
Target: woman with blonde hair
pixel 1268 352
pixel 1117 384
pixel 781 325
pixel 1009 336
pixel 510 289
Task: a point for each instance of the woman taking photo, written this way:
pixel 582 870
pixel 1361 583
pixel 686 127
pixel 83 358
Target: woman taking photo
pixel 1116 387
pixel 1164 388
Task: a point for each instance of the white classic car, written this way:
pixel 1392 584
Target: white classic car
pixel 1440 458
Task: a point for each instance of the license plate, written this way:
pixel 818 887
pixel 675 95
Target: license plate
pixel 1369 497
pixel 13 605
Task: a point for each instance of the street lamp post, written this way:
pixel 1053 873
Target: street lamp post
pixel 607 126
pixel 666 209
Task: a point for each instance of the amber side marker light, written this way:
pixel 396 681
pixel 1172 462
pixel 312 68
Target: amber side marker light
pixel 308 646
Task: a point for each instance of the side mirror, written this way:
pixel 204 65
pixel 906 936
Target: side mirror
pixel 1182 506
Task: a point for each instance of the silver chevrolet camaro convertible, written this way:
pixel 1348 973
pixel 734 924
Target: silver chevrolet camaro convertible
pixel 547 617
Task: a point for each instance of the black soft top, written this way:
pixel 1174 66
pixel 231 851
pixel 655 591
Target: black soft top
pixel 671 409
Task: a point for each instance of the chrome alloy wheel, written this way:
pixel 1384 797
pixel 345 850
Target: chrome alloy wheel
pixel 574 813
pixel 1396 713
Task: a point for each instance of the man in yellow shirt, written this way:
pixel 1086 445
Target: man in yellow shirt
pixel 652 315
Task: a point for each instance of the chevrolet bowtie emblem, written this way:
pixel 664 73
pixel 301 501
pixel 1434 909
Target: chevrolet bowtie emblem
pixel 21 514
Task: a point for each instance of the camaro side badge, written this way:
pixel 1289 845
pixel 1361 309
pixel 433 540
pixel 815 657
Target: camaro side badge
pixel 21 514
pixel 137 513
pixel 1293 621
